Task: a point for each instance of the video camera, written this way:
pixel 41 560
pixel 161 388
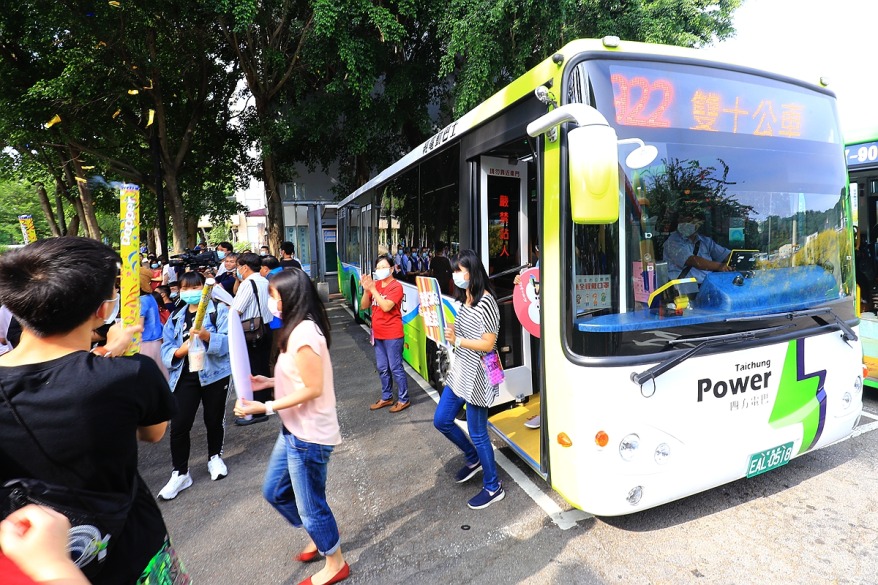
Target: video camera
pixel 190 260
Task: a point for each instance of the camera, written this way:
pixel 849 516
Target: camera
pixel 190 260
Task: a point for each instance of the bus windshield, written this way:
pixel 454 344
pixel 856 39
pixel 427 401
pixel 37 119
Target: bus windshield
pixel 743 213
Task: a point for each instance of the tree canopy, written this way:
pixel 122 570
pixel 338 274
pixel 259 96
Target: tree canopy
pixel 119 89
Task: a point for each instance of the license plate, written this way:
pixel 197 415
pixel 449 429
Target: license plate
pixel 769 459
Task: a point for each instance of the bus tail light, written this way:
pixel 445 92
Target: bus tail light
pixel 601 439
pixel 564 440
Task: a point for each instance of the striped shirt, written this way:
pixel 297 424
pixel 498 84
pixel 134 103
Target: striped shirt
pixel 468 378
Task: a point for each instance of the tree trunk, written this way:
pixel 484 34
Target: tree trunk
pixel 273 204
pixel 150 241
pixel 73 228
pixel 175 207
pixel 59 209
pixel 88 206
pixel 80 217
pixel 47 210
pixel 191 231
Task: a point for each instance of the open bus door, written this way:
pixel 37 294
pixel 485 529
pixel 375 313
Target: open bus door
pixel 506 241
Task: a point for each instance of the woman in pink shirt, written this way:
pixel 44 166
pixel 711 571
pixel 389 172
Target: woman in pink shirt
pixel 295 482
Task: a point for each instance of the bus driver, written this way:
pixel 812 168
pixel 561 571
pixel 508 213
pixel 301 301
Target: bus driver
pixel 690 254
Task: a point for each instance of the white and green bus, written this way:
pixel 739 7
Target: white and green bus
pixel 651 384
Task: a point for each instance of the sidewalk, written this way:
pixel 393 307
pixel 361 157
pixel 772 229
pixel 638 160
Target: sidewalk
pixel 401 516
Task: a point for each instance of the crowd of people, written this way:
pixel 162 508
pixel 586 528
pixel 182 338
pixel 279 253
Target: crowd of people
pixel 56 381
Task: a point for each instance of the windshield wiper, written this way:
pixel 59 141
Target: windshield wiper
pixel 709 341
pixel 847 333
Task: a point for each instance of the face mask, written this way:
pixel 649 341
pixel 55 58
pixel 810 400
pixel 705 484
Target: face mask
pixel 263 253
pixel 272 306
pixel 239 275
pixel 153 266
pixel 174 294
pixel 686 229
pixel 220 254
pixel 425 255
pixel 191 297
pixel 109 320
pixel 382 274
pixel 459 280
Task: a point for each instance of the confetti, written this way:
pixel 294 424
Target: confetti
pixel 55 120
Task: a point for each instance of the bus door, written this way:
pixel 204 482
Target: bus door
pixel 505 244
pixel 367 241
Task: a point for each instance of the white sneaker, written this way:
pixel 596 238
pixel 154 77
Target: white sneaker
pixel 217 468
pixel 533 422
pixel 177 484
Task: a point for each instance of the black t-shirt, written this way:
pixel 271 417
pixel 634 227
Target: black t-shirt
pixel 84 410
pixel 291 263
pixel 227 280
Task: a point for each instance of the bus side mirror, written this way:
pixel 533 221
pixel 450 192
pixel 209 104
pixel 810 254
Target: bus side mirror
pixel 593 161
pixel 593 164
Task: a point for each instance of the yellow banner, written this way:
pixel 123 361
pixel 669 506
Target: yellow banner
pixel 28 231
pixel 129 232
pixel 202 304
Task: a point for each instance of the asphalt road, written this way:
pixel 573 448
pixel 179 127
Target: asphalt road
pixel 404 520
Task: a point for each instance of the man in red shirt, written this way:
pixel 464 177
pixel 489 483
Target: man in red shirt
pixel 384 294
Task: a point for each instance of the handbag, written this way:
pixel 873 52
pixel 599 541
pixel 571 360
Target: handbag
pixel 254 329
pixel 96 518
pixel 493 368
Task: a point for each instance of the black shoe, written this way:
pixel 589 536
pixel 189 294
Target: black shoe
pixel 256 418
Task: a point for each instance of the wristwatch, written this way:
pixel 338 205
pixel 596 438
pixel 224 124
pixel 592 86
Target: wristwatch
pixel 457 341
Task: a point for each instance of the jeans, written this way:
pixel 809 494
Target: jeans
pixel 295 484
pixel 388 357
pixel 480 449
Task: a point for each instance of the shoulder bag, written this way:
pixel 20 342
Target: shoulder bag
pixel 254 329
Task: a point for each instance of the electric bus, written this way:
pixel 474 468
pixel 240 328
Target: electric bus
pixel 653 380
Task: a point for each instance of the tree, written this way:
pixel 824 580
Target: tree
pixel 117 79
pixel 491 43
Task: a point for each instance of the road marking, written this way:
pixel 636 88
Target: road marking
pixel 869 415
pixel 563 519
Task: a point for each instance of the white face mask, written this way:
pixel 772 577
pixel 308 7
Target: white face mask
pixel 112 317
pixel 687 229
pixel 272 307
pixel 382 273
pixel 460 280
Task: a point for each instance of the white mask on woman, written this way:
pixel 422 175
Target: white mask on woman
pixel 382 273
pixel 272 307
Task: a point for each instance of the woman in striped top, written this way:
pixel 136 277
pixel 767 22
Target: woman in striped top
pixel 474 335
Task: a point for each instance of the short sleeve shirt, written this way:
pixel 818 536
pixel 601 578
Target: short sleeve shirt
pixel 388 324
pixel 314 421
pixel 246 302
pixel 468 378
pixel 84 410
pixel 678 249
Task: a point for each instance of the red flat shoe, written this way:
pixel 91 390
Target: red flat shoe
pixel 343 574
pixel 307 557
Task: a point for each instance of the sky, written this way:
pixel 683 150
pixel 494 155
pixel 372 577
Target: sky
pixel 809 39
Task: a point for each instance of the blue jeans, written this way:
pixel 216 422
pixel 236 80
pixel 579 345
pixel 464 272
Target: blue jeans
pixel 295 484
pixel 388 358
pixel 480 449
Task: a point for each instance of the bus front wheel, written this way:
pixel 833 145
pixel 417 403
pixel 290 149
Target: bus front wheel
pixel 439 364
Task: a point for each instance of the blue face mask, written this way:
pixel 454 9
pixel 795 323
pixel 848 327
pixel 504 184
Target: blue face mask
pixel 174 294
pixel 153 266
pixel 459 280
pixel 191 297
pixel 239 275
pixel 220 254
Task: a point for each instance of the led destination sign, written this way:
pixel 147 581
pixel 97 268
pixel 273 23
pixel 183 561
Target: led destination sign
pixel 736 104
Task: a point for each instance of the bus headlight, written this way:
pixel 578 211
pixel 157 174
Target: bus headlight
pixel 634 495
pixel 846 399
pixel 628 446
pixel 662 452
pixel 858 384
